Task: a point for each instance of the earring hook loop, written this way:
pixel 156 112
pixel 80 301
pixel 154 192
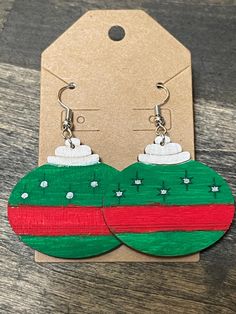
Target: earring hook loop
pixel 67 124
pixel 167 92
pixel 159 119
pixel 59 99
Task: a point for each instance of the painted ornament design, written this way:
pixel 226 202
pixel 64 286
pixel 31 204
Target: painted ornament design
pixel 167 204
pixel 57 208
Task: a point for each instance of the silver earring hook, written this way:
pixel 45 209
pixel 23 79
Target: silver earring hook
pixel 68 86
pixel 167 92
pixel 159 119
pixel 67 124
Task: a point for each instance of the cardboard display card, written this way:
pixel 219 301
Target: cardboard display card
pixel 115 95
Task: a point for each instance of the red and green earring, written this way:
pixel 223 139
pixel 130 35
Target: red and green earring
pixel 167 204
pixel 56 209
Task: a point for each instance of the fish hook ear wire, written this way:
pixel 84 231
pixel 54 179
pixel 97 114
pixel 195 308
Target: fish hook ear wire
pixel 159 119
pixel 67 124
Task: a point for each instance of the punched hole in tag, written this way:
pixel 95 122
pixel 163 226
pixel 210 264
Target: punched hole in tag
pixel 116 33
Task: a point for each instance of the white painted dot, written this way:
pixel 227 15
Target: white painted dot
pixel 186 181
pixel 94 184
pixel 69 195
pixel 215 189
pixel 24 195
pixel 137 182
pixel 119 193
pixel 44 184
pixel 163 192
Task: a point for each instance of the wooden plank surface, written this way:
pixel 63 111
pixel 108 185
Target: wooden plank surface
pixel 5 7
pixel 207 28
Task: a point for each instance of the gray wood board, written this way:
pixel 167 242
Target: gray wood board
pixel 207 28
pixel 5 7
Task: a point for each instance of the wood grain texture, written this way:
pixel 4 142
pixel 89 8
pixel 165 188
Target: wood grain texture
pixel 5 7
pixel 207 28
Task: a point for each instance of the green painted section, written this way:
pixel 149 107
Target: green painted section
pixel 151 179
pixel 61 180
pixel 72 246
pixel 176 243
pixel 138 184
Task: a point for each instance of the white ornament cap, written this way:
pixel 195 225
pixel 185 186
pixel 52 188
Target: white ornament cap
pixel 80 155
pixel 167 154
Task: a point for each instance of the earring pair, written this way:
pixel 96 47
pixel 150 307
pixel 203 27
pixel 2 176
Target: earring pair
pixel 77 207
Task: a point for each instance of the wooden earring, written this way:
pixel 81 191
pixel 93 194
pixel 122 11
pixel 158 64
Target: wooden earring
pixel 167 204
pixel 57 208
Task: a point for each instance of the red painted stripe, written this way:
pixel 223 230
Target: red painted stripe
pixel 55 221
pixel 153 218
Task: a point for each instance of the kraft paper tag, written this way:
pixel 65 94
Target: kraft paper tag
pixel 115 95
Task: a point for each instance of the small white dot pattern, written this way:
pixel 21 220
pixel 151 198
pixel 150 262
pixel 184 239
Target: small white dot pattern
pixel 44 184
pixel 69 195
pixel 24 195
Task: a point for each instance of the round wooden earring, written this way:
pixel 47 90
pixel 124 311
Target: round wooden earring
pixel 56 209
pixel 167 204
pixel 170 209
